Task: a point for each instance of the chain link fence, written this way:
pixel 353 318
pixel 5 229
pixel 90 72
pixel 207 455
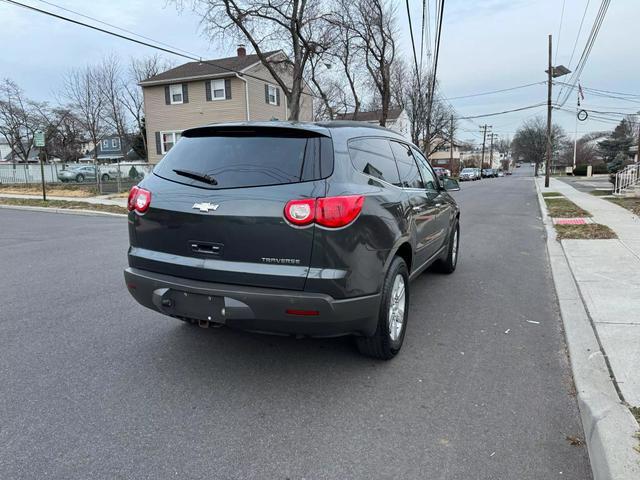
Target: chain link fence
pixel 103 179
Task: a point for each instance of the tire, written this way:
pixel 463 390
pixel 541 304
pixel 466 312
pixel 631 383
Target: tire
pixel 449 263
pixel 79 178
pixel 384 344
pixel 105 177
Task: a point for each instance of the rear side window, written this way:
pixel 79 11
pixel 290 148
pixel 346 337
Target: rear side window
pixel 373 157
pixel 246 159
pixel 409 174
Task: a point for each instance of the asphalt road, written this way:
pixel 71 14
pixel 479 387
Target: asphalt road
pixel 95 386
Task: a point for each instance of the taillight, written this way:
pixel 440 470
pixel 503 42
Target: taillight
pixel 331 212
pixel 139 199
pixel 300 212
pixel 334 212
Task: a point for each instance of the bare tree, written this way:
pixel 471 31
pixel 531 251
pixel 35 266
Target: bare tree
pixel 18 119
pixel 430 130
pixel 83 91
pixel 112 90
pixel 293 26
pixel 132 98
pixel 64 133
pixel 373 23
pixel 530 141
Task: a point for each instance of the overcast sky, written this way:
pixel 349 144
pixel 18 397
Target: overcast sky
pixel 486 45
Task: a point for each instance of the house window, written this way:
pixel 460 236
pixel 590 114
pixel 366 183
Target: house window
pixel 115 142
pixel 175 93
pixel 273 95
pixel 168 140
pixel 105 144
pixel 218 90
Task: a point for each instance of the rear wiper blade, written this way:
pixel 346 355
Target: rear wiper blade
pixel 202 177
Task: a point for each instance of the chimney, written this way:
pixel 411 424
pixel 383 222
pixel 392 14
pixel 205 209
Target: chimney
pixel 242 52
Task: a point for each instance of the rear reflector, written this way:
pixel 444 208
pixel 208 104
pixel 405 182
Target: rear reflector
pixel 304 313
pixel 331 212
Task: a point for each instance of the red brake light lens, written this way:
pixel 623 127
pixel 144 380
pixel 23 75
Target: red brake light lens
pixel 132 195
pixel 335 212
pixel 139 199
pixel 300 212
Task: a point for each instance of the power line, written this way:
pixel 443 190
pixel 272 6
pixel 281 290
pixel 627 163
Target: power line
pixel 504 111
pixel 146 44
pixel 575 44
pixel 555 59
pixel 595 29
pixel 114 26
pixel 497 91
pixel 424 12
pixel 413 43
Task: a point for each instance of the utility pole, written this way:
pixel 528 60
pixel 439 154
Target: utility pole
pixel 491 136
pixel 547 168
pixel 451 148
pixel 575 138
pixel 484 140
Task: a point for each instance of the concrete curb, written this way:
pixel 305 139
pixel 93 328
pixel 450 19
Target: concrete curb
pixel 68 211
pixel 609 426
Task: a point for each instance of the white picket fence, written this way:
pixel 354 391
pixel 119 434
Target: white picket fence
pixel 28 173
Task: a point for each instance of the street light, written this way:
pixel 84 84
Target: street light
pixel 552 72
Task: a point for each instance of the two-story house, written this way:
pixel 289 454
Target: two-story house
pixel 230 89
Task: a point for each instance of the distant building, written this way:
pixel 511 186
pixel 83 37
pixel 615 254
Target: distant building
pixel 397 120
pixel 445 157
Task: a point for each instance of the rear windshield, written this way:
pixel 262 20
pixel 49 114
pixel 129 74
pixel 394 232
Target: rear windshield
pixel 246 159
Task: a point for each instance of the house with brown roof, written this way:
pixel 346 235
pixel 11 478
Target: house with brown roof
pixel 397 120
pixel 232 89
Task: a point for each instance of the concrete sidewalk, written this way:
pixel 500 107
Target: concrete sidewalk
pixel 608 275
pixel 100 199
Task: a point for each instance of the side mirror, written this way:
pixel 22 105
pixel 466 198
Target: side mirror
pixel 450 184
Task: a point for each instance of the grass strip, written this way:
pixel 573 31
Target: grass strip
pixel 552 194
pixel 589 231
pixel 600 193
pixel 64 204
pixel 52 189
pixel 563 208
pixel 631 204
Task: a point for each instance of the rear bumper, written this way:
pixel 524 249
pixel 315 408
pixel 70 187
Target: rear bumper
pixel 254 308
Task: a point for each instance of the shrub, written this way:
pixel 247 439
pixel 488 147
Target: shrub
pixel 133 173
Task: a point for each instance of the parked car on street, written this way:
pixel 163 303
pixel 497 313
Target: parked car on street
pixel 469 174
pixel 311 229
pixel 500 173
pixel 489 173
pixel 77 173
pixel 442 172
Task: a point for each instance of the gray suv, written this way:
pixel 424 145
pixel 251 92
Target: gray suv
pixel 309 229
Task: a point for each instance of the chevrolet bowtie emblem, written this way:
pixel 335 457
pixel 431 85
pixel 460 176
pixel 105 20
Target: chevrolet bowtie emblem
pixel 205 207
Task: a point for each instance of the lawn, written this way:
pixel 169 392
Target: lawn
pixel 632 204
pixel 52 189
pixel 563 208
pixel 600 193
pixel 552 194
pixel 68 204
pixel 589 231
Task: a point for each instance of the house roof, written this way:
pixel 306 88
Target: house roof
pixel 371 116
pixel 205 68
